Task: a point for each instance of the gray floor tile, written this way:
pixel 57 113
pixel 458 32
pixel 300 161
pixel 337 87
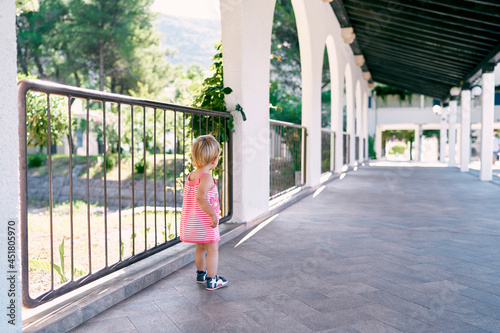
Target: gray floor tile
pixel 238 322
pixel 198 295
pixel 120 324
pixel 124 309
pixel 276 321
pixel 418 253
pixel 394 318
pixel 373 326
pixel 180 309
pixel 154 323
pixel 229 308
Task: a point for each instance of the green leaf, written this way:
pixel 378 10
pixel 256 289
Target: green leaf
pixel 195 87
pixel 79 270
pixel 41 265
pixel 61 273
pixel 61 256
pixel 44 266
pixel 227 90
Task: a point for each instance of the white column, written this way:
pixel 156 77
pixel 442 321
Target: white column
pixel 246 36
pixel 358 123
pixel 359 134
pixel 458 156
pixel 443 137
pixel 365 126
pixel 465 131
pixel 311 58
pixel 337 122
pixel 416 144
pixel 419 146
pixel 10 283
pixel 487 119
pixel 337 125
pixel 452 132
pixel 378 142
pixel 351 130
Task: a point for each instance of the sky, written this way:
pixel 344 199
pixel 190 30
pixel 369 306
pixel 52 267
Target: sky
pixel 202 9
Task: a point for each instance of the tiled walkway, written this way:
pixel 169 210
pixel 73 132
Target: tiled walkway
pixel 385 249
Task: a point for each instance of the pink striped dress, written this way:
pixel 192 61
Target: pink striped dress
pixel 195 223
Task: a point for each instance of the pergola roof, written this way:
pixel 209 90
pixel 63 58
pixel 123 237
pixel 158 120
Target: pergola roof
pixel 423 46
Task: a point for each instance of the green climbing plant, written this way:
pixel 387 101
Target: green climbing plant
pixel 210 95
pixel 384 91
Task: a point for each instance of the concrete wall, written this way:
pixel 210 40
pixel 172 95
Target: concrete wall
pixel 10 289
pixel 414 115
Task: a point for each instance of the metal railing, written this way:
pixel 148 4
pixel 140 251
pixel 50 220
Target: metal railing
pixel 327 143
pixel 85 214
pixel 287 151
pixel 364 149
pixel 347 145
pixel 357 148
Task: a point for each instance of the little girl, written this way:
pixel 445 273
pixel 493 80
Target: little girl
pixel 200 212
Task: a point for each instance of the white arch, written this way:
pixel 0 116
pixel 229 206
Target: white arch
pixel 349 89
pixel 365 123
pixel 359 119
pixel 246 34
pixel 337 85
pixel 311 58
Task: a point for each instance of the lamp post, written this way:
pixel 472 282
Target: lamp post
pixel 442 133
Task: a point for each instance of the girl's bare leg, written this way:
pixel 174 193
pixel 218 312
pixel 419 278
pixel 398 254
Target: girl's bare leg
pixel 212 258
pixel 199 257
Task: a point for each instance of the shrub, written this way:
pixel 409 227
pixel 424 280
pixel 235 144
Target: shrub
pixel 325 161
pixel 139 166
pixel 110 162
pixel 34 161
pixel 371 148
pixel 398 148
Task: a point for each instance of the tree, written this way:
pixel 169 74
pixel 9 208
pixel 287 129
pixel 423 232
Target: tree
pixel 37 35
pixel 284 106
pixel 285 63
pixel 107 33
pixel 326 93
pixel 109 44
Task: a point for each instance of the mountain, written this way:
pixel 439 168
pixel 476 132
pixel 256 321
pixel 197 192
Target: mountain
pixel 194 39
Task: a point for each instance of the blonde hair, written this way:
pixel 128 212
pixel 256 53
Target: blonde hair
pixel 205 150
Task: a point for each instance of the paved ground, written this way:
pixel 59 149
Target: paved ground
pixel 385 249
